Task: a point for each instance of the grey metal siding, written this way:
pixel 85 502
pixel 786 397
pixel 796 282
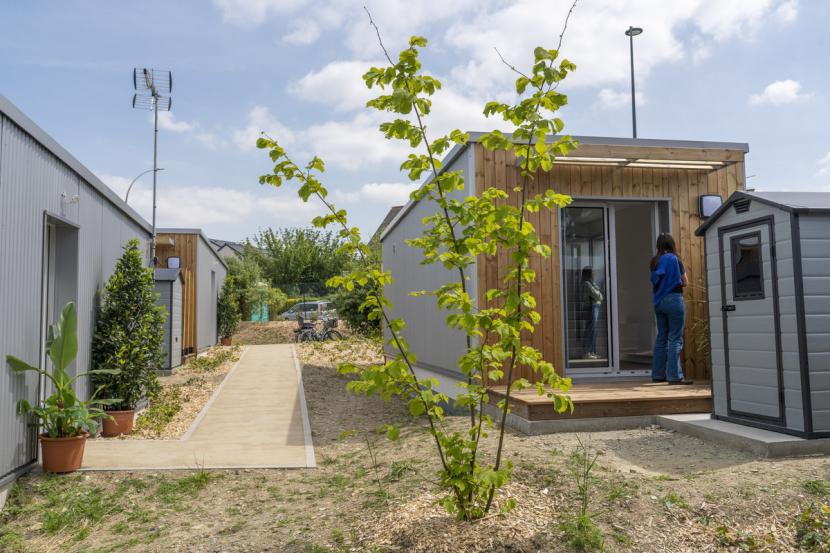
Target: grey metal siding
pixel 207 261
pixel 787 310
pixel 33 181
pixel 175 323
pixel 163 289
pixel 435 345
pixel 815 267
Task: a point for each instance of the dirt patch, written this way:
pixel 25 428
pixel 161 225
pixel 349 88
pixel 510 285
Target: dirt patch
pixel 653 490
pixel 266 332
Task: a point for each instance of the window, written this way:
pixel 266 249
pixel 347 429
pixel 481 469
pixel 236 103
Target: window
pixel 747 272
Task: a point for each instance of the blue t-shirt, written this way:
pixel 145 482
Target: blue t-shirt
pixel 666 277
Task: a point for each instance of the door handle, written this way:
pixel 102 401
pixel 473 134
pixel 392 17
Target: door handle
pixel 726 308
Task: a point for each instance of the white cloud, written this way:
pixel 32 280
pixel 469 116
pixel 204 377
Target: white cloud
pixel 260 120
pixel 254 12
pixel 339 84
pixel 380 193
pixel 201 206
pixel 305 32
pixel 779 93
pixel 787 12
pixel 168 122
pixel 352 144
pixel 609 98
pixel 823 166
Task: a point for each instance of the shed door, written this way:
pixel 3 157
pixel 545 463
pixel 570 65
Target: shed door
pixel 749 305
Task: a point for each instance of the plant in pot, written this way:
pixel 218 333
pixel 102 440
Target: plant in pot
pixel 66 421
pixel 227 312
pixel 128 337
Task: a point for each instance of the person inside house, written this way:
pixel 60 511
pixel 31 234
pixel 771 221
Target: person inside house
pixel 592 295
pixel 668 278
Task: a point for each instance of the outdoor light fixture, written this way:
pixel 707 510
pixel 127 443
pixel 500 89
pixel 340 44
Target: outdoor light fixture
pixel 631 32
pixel 174 262
pixel 708 204
pixel 152 91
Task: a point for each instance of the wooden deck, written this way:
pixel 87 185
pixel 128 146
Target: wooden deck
pixel 613 399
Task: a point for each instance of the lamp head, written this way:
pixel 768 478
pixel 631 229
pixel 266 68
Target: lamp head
pixel 634 31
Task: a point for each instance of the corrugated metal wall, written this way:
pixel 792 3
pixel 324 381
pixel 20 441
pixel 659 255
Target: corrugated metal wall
pixel 32 181
pixel 815 266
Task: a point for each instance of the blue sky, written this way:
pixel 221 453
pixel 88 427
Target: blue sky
pixel 744 70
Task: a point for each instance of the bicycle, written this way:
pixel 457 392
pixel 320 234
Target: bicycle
pixel 307 330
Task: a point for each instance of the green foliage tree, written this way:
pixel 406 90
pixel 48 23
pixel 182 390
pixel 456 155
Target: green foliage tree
pixel 244 277
pixel 300 261
pixel 129 332
pixel 62 414
pixel 460 231
pixel 348 304
pixel 227 310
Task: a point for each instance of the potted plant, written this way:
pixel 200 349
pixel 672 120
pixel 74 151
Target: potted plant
pixel 66 421
pixel 128 337
pixel 227 312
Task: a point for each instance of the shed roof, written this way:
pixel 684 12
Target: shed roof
pixel 20 119
pixel 168 275
pixel 625 151
pixel 201 234
pixel 793 202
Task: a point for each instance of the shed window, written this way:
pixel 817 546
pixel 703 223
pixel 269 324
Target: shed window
pixel 747 264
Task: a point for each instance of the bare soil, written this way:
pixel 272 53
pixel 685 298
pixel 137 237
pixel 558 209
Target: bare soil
pixel 652 490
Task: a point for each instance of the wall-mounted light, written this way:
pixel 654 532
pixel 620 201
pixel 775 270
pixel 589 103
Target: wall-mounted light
pixel 174 262
pixel 708 204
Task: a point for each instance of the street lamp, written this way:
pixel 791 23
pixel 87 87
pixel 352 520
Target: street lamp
pixel 127 196
pixel 631 33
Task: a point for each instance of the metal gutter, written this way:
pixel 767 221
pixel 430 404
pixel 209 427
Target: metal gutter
pixel 9 110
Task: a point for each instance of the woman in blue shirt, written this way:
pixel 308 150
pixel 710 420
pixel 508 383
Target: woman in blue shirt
pixel 668 277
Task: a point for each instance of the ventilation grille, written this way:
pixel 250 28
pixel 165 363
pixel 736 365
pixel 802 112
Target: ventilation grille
pixel 742 205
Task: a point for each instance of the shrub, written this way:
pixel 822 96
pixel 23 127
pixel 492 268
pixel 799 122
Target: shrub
pixel 227 311
pixel 129 332
pixel 348 304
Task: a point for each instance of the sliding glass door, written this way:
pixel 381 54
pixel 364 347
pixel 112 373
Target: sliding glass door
pixel 585 265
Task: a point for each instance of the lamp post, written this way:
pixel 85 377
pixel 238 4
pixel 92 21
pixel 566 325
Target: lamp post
pixel 631 32
pixel 127 195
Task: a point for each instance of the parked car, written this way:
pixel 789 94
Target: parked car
pixel 310 310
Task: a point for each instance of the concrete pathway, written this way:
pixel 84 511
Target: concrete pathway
pixel 256 418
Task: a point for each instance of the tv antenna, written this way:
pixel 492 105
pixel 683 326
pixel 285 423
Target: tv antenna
pixel 152 91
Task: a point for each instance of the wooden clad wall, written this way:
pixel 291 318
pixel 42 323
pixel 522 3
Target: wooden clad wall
pixel 184 246
pixel 683 186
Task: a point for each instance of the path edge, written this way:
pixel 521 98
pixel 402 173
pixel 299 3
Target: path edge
pixel 198 420
pixel 311 462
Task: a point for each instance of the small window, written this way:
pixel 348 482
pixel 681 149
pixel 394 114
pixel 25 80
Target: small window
pixel 747 267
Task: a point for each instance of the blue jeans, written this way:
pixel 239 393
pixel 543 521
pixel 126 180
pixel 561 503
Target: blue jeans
pixel 671 319
pixel 589 340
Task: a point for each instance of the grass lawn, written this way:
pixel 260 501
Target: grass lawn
pixel 651 490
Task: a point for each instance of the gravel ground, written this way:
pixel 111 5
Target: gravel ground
pixel 652 490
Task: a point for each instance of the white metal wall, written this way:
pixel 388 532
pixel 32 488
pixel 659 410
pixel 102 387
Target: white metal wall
pixel 32 181
pixel 815 267
pixel 206 261
pixel 435 345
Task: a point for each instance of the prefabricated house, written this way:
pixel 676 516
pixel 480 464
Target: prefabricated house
pixel 169 287
pixel 625 192
pixel 768 267
pixel 227 249
pixel 61 232
pixel 204 272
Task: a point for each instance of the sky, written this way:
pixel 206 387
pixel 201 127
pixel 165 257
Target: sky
pixel 751 71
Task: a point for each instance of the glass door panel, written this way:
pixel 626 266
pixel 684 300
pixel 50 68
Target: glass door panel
pixel 586 277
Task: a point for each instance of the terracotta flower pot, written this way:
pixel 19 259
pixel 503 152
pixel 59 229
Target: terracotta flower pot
pixel 226 341
pixel 62 454
pixel 121 423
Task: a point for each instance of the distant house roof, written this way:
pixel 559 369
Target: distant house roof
pixel 794 202
pixel 19 118
pixel 167 275
pixel 238 247
pixel 393 212
pixel 201 234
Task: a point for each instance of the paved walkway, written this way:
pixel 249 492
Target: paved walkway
pixel 256 418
